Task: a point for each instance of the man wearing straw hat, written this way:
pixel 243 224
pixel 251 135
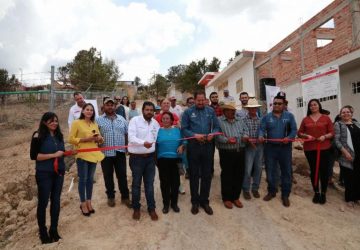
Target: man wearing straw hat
pixel 253 151
pixel 232 155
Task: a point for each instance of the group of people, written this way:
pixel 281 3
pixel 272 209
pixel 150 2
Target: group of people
pixel 174 138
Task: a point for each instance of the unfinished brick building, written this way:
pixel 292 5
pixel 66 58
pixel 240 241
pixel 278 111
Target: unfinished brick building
pixel 330 38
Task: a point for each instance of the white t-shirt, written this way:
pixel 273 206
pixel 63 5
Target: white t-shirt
pixel 177 110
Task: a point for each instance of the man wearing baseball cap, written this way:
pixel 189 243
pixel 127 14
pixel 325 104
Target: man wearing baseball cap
pixel 114 129
pixel 227 97
pixel 174 108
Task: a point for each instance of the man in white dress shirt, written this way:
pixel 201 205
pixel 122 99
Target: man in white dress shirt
pixel 142 132
pixel 75 110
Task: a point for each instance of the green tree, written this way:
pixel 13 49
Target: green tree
pixel 237 53
pixel 175 73
pixel 63 74
pixel 186 77
pixel 6 83
pixel 137 81
pixel 159 86
pixel 89 69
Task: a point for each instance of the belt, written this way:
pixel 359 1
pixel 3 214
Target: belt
pixel 232 150
pixel 142 155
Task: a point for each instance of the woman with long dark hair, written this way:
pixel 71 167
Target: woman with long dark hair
pixel 125 102
pixel 47 149
pixel 347 140
pixel 84 133
pixel 318 129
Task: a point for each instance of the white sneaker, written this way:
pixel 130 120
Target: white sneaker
pixel 181 189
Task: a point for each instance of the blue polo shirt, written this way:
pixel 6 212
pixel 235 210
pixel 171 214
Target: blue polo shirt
pixel 273 127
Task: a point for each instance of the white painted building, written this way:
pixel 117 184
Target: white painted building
pixel 237 77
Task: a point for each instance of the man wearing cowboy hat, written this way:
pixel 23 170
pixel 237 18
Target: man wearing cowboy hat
pixel 253 151
pixel 232 155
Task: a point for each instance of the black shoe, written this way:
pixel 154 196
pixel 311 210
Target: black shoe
pixel 85 214
pixel 54 235
pixel 269 196
pixel 126 202
pixel 111 202
pixel 316 198
pixel 165 210
pixel 92 211
pixel 175 208
pixel 207 209
pixel 195 209
pixel 322 199
pixel 44 237
pixel 286 201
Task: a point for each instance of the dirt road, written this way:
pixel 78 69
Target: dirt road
pixel 259 225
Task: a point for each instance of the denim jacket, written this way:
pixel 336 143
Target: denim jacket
pixel 199 121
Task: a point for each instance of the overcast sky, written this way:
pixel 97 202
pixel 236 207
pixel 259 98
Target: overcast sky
pixel 143 37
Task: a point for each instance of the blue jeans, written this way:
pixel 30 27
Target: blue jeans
pixel 278 155
pixel 142 168
pixel 49 187
pixel 86 171
pixel 253 162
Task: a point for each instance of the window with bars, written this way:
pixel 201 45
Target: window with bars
pixel 239 85
pixel 327 98
pixel 299 102
pixel 355 87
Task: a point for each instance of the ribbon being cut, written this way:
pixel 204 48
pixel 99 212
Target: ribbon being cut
pixel 72 152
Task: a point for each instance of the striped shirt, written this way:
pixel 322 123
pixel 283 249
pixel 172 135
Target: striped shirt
pixel 113 131
pixel 253 125
pixel 237 129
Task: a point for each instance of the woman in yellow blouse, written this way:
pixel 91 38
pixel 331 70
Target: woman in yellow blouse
pixel 84 133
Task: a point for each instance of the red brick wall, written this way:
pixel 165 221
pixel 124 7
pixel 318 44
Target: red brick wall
pixel 285 71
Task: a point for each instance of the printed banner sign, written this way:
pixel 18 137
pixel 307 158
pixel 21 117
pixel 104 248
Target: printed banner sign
pixel 321 83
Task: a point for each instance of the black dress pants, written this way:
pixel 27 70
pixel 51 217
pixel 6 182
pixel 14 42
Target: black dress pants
pixel 232 173
pixel 169 180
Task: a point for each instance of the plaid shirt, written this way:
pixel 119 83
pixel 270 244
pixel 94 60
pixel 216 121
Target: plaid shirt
pixel 217 109
pixel 113 131
pixel 237 129
pixel 253 125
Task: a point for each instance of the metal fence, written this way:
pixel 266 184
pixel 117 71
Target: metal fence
pixel 20 113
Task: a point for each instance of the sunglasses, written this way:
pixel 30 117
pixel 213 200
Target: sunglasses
pixel 117 99
pixel 278 103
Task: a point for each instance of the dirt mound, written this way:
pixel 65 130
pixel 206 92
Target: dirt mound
pixel 17 204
